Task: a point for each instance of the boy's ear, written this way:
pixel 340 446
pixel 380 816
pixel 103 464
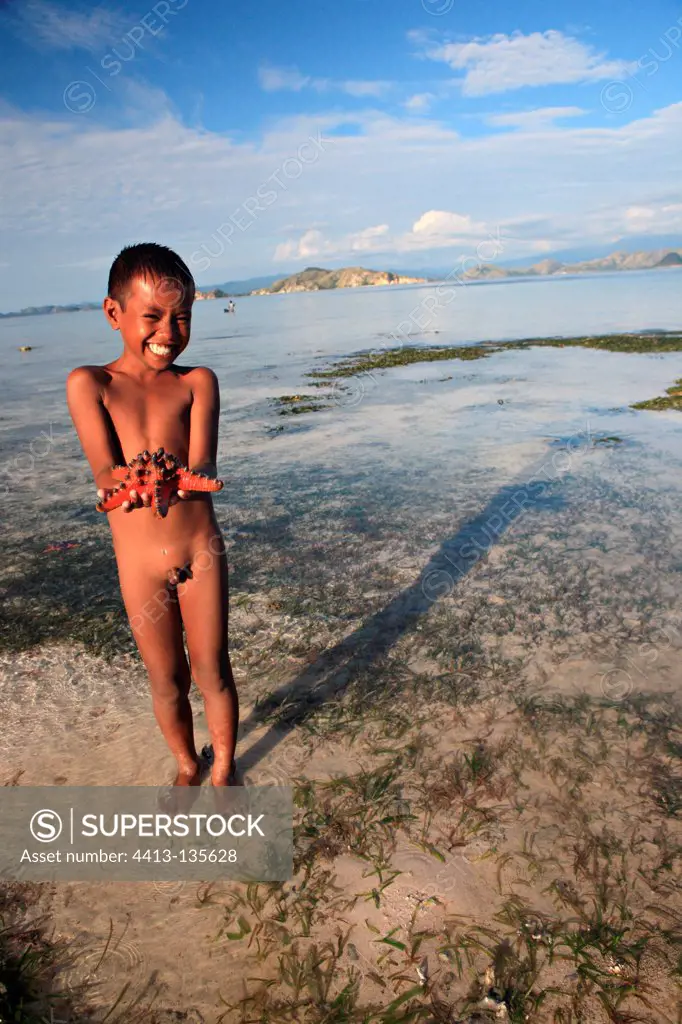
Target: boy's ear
pixel 112 312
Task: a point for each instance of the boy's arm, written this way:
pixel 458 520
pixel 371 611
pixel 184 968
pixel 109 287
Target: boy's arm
pixel 203 424
pixel 84 398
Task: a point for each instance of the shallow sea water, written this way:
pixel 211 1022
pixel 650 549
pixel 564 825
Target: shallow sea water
pixel 484 532
pixel 397 470
pixel 341 515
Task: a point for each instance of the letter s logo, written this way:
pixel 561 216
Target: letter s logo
pixel 46 826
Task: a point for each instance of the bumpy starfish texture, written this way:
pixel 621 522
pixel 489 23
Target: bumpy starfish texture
pixel 159 475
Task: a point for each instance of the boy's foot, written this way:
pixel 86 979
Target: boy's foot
pixel 220 775
pixel 171 800
pixel 188 777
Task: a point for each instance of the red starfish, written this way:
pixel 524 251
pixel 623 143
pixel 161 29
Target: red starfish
pixel 158 475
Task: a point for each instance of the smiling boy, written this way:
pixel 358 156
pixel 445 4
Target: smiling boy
pixel 144 400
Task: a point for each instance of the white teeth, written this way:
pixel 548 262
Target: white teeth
pixel 160 350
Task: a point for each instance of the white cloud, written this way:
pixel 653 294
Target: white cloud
pixel 534 120
pixel 57 27
pixel 143 104
pixel 419 103
pixel 658 218
pixel 77 191
pixel 360 88
pixel 542 245
pixel 441 223
pixel 500 62
pixel 277 79
pixel 435 229
pixel 313 243
pixel 281 79
pixel 442 229
pixel 369 238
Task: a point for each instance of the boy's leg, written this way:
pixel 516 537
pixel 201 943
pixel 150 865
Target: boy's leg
pixel 204 607
pixel 155 621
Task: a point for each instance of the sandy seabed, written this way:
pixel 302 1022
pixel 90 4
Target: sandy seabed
pixel 478 707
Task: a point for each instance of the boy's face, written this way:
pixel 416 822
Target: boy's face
pixel 155 323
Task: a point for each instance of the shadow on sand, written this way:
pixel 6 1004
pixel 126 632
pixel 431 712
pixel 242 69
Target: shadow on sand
pixel 445 573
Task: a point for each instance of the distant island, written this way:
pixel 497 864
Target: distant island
pixel 314 279
pixel 549 268
pixel 79 307
pixel 42 310
pixel 213 293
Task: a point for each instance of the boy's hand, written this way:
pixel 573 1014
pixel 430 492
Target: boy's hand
pixel 207 468
pixel 107 484
pixel 111 483
pixel 138 500
pixel 153 479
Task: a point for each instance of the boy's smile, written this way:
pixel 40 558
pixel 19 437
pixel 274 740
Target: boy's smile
pixel 154 320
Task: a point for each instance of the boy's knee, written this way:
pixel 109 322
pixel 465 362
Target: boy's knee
pixel 168 687
pixel 209 679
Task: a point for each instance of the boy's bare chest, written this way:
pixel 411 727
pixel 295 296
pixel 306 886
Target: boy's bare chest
pixel 148 410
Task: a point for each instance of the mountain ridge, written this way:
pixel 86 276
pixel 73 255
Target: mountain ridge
pixel 315 279
pixel 319 278
pixel 615 261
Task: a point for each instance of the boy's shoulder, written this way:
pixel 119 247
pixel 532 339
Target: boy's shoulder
pixel 92 381
pixel 85 378
pixel 198 376
pixel 94 372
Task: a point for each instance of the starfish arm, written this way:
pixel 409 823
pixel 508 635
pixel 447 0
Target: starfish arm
pixel 120 472
pixel 188 481
pixel 163 489
pixel 115 500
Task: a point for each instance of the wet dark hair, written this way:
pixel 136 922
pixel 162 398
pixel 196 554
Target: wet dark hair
pixel 147 259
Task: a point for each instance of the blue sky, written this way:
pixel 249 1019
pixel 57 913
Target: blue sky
pixel 262 138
